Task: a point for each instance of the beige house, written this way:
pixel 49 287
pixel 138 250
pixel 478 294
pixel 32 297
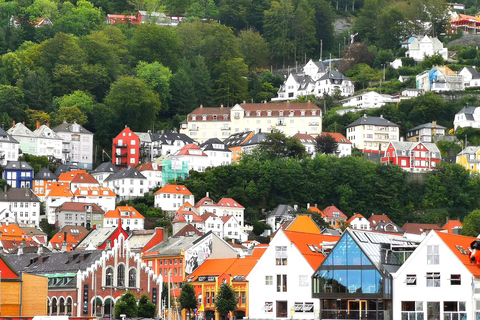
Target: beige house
pixel 290 118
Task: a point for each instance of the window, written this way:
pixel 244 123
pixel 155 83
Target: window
pixel 243 297
pixel 109 277
pixel 121 275
pixel 411 280
pixel 132 278
pixel 455 280
pixel 208 297
pixel 433 279
pixel 433 256
pixel 281 283
pixel 433 310
pixel 412 310
pixel 268 280
pixel 281 255
pixel 454 310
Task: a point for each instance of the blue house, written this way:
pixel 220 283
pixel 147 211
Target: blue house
pixel 18 174
pixel 355 280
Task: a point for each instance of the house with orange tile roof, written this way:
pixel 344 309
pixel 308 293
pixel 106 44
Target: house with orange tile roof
pixel 357 221
pixel 438 280
pixel 67 238
pixel 68 176
pixel 104 197
pixel 334 217
pixel 453 226
pixel 302 223
pixel 375 219
pixel 308 142
pixel 344 146
pixel 40 181
pixel 234 143
pixel 131 218
pixel 172 197
pixel 224 207
pixel 280 284
pixel 208 278
pixel 11 231
pixel 58 195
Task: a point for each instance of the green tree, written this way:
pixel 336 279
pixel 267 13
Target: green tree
pixel 37 89
pixel 277 145
pixel 471 224
pixel 127 305
pixel 188 298
pixel 211 10
pixel 42 9
pixel 234 13
pixel 12 102
pixel 11 67
pixel 78 20
pixel 146 309
pixel 278 26
pixel 225 301
pixel 201 79
pixel 232 84
pixel 304 37
pixel 367 19
pixel 183 93
pixel 84 101
pixel 324 20
pixel 326 144
pixel 70 115
pixel 254 49
pixel 133 104
pixel 157 77
pixel 34 116
pixel 390 28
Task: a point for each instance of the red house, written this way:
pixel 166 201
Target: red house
pixel 126 149
pixel 413 156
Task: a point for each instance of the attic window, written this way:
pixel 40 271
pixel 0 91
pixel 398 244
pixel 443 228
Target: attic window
pixel 177 188
pixel 314 112
pixel 235 205
pixel 280 113
pixel 269 113
pixel 311 247
pixel 259 113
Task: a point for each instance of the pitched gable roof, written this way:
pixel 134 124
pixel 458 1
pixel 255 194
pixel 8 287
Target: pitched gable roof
pixel 191 150
pixel 376 121
pixel 305 242
pixel 45 174
pixel 419 228
pixel 106 167
pixel 229 202
pixel 171 188
pixel 358 215
pixel 188 230
pixel 376 218
pixel 120 211
pixel 452 224
pixel 303 223
pixel 127 173
pixel 332 212
pixel 454 242
pixel 339 138
pixel 69 176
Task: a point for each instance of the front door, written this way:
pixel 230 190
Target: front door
pixel 357 309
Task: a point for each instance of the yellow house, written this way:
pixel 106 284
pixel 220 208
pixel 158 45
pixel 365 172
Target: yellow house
pixel 469 158
pixel 21 294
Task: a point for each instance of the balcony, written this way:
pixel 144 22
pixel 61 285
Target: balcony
pixel 280 124
pixel 65 150
pixel 122 155
pixel 118 145
pixel 194 129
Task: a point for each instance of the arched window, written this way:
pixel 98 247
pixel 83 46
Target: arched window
pixel 259 113
pixel 280 113
pixel 48 306
pixel 132 278
pixel 121 275
pixel 109 277
pixel 54 306
pixel 62 306
pixel 69 306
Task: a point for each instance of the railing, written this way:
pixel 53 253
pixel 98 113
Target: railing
pixel 354 314
pixel 121 155
pixel 117 145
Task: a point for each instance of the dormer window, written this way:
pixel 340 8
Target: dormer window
pixel 225 117
pixel 194 118
pixel 280 113
pixel 269 113
pixel 259 113
pixel 302 112
pixel 314 112
pixel 215 117
pixel 204 118
pixel 248 114
pixel 292 113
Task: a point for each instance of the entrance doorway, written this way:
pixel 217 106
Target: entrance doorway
pixel 357 309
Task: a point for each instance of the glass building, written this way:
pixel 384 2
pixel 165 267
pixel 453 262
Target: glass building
pixel 355 280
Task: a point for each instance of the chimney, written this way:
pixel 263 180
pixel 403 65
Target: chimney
pixel 38 125
pixel 48 124
pixel 40 249
pixel 201 106
pixel 13 123
pixel 208 194
pixel 308 206
pixel 20 249
pixel 434 124
pixel 381 116
pixel 295 207
pixel 65 236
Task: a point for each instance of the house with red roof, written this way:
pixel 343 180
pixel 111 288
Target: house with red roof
pixel 153 172
pixel 438 280
pixel 453 226
pixel 172 197
pixel 126 149
pixel 58 195
pixel 67 238
pixel 224 207
pixel 420 228
pixel 358 221
pixel 375 219
pixel 186 215
pixel 130 218
pixel 308 142
pixel 78 178
pixel 196 158
pixel 88 215
pixel 334 217
pixel 280 284
pixel 344 146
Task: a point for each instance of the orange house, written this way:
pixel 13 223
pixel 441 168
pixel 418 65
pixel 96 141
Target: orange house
pixel 234 144
pixel 208 278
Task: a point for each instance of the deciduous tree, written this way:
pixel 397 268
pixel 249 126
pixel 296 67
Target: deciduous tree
pixel 225 301
pixel 326 144
pixel 188 298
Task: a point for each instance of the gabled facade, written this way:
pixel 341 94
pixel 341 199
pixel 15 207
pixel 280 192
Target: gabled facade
pixel 369 100
pixel 126 149
pixel 355 280
pixel 334 217
pixel 104 170
pixel 154 145
pixel 358 221
pixel 187 215
pixel 153 172
pixel 48 143
pixel 426 132
pixel 195 157
pixel 77 144
pixel 372 134
pixel 172 197
pixel 28 142
pixel 439 79
pixel 128 183
pixel 413 156
pixel 18 174
pixel 468 117
pixel 419 48
pixel 67 238
pixel 438 281
pixel 290 118
pixel 88 215
pixel 280 283
pixel 131 218
pixel 217 152
pixel 9 148
pixel 23 204
pixel 471 77
pixel 40 182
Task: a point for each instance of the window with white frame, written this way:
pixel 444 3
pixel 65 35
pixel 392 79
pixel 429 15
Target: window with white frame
pixel 412 310
pixel 433 256
pixel 455 280
pixel 433 279
pixel 281 283
pixel 411 280
pixel 454 310
pixel 281 255
pixel 268 280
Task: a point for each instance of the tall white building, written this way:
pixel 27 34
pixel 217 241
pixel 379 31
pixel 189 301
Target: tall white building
pixel 372 133
pixel 427 46
pixel 77 148
pixel 9 148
